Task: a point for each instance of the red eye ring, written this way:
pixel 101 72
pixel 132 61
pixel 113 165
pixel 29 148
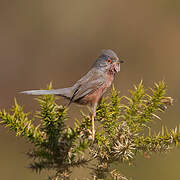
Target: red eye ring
pixel 109 61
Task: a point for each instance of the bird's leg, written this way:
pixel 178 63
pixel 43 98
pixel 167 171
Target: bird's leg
pixel 93 128
pixel 92 118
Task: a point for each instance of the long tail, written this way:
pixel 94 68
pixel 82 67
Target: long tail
pixel 65 92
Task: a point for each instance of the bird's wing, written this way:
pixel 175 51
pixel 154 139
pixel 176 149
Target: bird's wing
pixel 88 84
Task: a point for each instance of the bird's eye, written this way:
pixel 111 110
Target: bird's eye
pixel 108 61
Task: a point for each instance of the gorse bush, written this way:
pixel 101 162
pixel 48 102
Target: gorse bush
pixel 121 123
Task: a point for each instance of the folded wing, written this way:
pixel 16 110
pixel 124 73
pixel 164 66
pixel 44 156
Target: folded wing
pixel 88 84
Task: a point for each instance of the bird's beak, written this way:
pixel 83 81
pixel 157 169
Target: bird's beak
pixel 121 61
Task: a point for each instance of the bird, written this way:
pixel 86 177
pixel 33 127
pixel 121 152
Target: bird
pixel 89 89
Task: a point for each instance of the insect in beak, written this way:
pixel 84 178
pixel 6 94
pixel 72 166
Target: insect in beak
pixel 117 65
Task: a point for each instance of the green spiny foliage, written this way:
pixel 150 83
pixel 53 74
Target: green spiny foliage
pixel 18 122
pixel 120 132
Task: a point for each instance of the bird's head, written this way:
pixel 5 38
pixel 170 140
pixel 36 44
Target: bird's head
pixel 108 60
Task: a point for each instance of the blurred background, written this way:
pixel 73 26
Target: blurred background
pixel 43 41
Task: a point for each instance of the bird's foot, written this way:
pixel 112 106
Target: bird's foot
pixel 91 135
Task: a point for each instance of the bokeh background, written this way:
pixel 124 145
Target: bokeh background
pixel 43 41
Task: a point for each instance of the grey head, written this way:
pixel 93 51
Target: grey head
pixel 108 60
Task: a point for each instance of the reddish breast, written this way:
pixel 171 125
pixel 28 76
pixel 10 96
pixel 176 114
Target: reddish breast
pixel 110 78
pixel 96 95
